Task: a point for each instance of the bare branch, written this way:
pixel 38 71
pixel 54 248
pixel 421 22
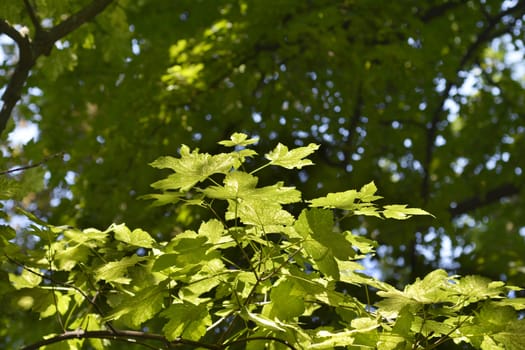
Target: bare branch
pixel 124 335
pixel 67 285
pixel 25 167
pixel 42 44
pixel 492 196
pixel 489 32
pixel 16 82
pixel 33 15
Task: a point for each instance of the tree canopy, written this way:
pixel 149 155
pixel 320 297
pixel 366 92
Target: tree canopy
pixel 424 100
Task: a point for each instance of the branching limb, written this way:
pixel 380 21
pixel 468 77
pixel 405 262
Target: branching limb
pixel 25 167
pixel 67 285
pixel 123 335
pixel 42 44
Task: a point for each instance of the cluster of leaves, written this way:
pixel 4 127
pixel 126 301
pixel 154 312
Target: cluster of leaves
pixel 261 274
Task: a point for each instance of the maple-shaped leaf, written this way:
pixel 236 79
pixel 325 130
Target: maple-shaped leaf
pixel 341 200
pixel 321 243
pixel 429 290
pixel 291 159
pixel 357 201
pixel 164 198
pixel 116 271
pixel 138 237
pixel 401 212
pixel 241 185
pixel 191 168
pixel 134 309
pixel 287 301
pixel 239 139
pixel 261 213
pixel 186 320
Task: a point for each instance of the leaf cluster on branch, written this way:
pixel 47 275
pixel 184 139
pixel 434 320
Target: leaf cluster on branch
pixel 264 272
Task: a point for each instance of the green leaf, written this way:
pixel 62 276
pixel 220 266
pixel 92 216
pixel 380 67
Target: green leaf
pixel 213 230
pixel 286 301
pixel 281 156
pixel 329 340
pixel 239 139
pixel 7 232
pixel 138 237
pixel 116 271
pixel 188 250
pixel 243 185
pixel 164 198
pixel 471 289
pixel 191 168
pixel 358 201
pixel 186 320
pixel 139 307
pixel 431 290
pixel 261 321
pixel 401 212
pixel 26 279
pixel 321 243
pixel 266 215
pixel 341 200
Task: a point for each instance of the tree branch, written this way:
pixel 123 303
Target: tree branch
pixel 67 285
pixel 483 37
pixel 25 167
pixel 33 16
pixel 125 335
pixel 25 62
pixel 42 44
pixel 479 201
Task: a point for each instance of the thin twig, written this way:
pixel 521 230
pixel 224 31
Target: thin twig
pixel 122 335
pixel 51 279
pixel 25 167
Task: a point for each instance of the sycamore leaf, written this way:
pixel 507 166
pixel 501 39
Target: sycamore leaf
pixel 261 321
pixel 164 198
pixel 401 212
pixel 213 230
pixel 429 290
pixel 286 301
pixel 285 158
pixel 7 232
pixel 26 279
pixel 341 200
pixel 330 340
pixel 367 193
pixel 140 307
pixel 186 320
pixel 476 288
pixel 239 139
pixel 320 242
pixel 358 201
pixel 243 185
pixel 116 271
pixel 138 237
pixel 263 214
pixel 191 168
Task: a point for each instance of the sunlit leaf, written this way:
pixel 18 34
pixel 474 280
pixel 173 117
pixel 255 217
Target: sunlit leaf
pixel 116 271
pixel 138 237
pixel 291 159
pixel 186 320
pixel 191 168
pixel 140 307
pixel 239 139
pixel 401 212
